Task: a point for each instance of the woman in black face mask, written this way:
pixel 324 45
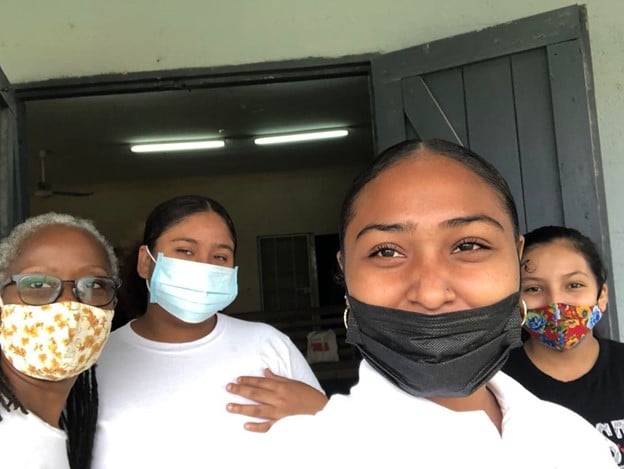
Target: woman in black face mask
pixel 430 254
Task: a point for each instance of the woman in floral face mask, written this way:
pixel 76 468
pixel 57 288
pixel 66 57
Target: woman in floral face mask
pixel 564 287
pixel 58 287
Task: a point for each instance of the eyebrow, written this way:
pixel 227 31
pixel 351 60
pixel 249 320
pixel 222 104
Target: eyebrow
pixel 194 241
pixel 571 274
pixel 452 223
pixel 461 221
pixel 392 227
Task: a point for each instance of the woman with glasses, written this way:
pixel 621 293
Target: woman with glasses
pixel 165 400
pixel 58 287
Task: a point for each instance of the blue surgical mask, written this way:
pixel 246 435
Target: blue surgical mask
pixel 191 291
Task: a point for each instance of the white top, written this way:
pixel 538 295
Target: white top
pixel 27 442
pixel 380 426
pixel 162 405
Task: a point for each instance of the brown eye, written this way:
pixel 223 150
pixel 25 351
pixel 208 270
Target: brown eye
pixel 385 252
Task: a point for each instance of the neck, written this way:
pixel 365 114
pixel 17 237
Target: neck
pixel 482 399
pixel 46 399
pixel 566 365
pixel 160 326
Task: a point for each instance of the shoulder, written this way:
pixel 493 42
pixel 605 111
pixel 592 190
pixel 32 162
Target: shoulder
pixel 611 357
pixel 116 342
pixel 526 412
pixel 21 433
pixel 122 334
pixel 613 347
pixel 260 330
pixel 517 360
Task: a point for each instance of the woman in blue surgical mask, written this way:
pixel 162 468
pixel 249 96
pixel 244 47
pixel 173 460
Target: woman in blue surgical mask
pixel 164 392
pixel 430 253
pixel 564 285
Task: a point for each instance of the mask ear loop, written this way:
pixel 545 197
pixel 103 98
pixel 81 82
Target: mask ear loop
pixel 150 254
pixel 154 261
pixel 524 313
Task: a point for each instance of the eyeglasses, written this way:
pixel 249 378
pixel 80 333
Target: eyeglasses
pixel 41 289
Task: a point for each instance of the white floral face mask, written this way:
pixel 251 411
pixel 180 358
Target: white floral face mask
pixel 55 341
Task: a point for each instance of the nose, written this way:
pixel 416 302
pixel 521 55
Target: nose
pixel 67 292
pixel 429 289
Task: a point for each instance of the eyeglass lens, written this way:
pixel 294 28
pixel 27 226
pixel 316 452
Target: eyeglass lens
pixel 39 289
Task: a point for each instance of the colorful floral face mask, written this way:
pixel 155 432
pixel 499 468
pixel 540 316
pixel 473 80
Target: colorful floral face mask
pixel 55 341
pixel 562 326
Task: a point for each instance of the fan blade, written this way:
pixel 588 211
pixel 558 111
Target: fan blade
pixel 72 194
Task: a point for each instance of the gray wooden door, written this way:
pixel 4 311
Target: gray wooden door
pixel 12 198
pixel 519 94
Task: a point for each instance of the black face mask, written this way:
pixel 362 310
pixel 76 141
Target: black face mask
pixel 442 355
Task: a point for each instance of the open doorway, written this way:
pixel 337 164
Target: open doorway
pixel 269 190
pixel 80 148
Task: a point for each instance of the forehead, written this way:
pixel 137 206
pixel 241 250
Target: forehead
pixel 429 188
pixel 198 225
pixel 555 257
pixel 60 235
pixel 54 244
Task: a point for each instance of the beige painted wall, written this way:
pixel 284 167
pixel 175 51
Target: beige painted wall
pixel 274 203
pixel 41 40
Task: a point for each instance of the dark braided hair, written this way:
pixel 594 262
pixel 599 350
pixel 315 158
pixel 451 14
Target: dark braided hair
pixel 79 419
pixel 8 398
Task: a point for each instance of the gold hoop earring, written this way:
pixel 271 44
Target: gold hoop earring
pixel 524 313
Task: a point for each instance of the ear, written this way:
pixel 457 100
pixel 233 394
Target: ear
pixel 603 298
pixel 520 246
pixel 340 259
pixel 145 264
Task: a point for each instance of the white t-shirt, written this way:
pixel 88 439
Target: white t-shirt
pixel 378 425
pixel 27 442
pixel 162 405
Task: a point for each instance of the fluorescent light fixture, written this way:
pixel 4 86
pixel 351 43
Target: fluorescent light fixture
pixel 302 137
pixel 177 146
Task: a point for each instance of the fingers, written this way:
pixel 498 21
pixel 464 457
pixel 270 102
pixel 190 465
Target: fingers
pixel 259 411
pixel 269 374
pixel 254 410
pixel 258 427
pixel 268 382
pixel 262 394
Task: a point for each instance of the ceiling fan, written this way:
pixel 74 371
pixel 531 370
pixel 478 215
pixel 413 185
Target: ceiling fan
pixel 44 188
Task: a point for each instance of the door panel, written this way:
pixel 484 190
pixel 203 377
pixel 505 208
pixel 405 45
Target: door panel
pixel 490 111
pixel 448 88
pixel 579 159
pixel 519 94
pixel 12 202
pixel 424 113
pixel 536 139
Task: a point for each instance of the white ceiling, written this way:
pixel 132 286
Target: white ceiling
pixel 87 138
